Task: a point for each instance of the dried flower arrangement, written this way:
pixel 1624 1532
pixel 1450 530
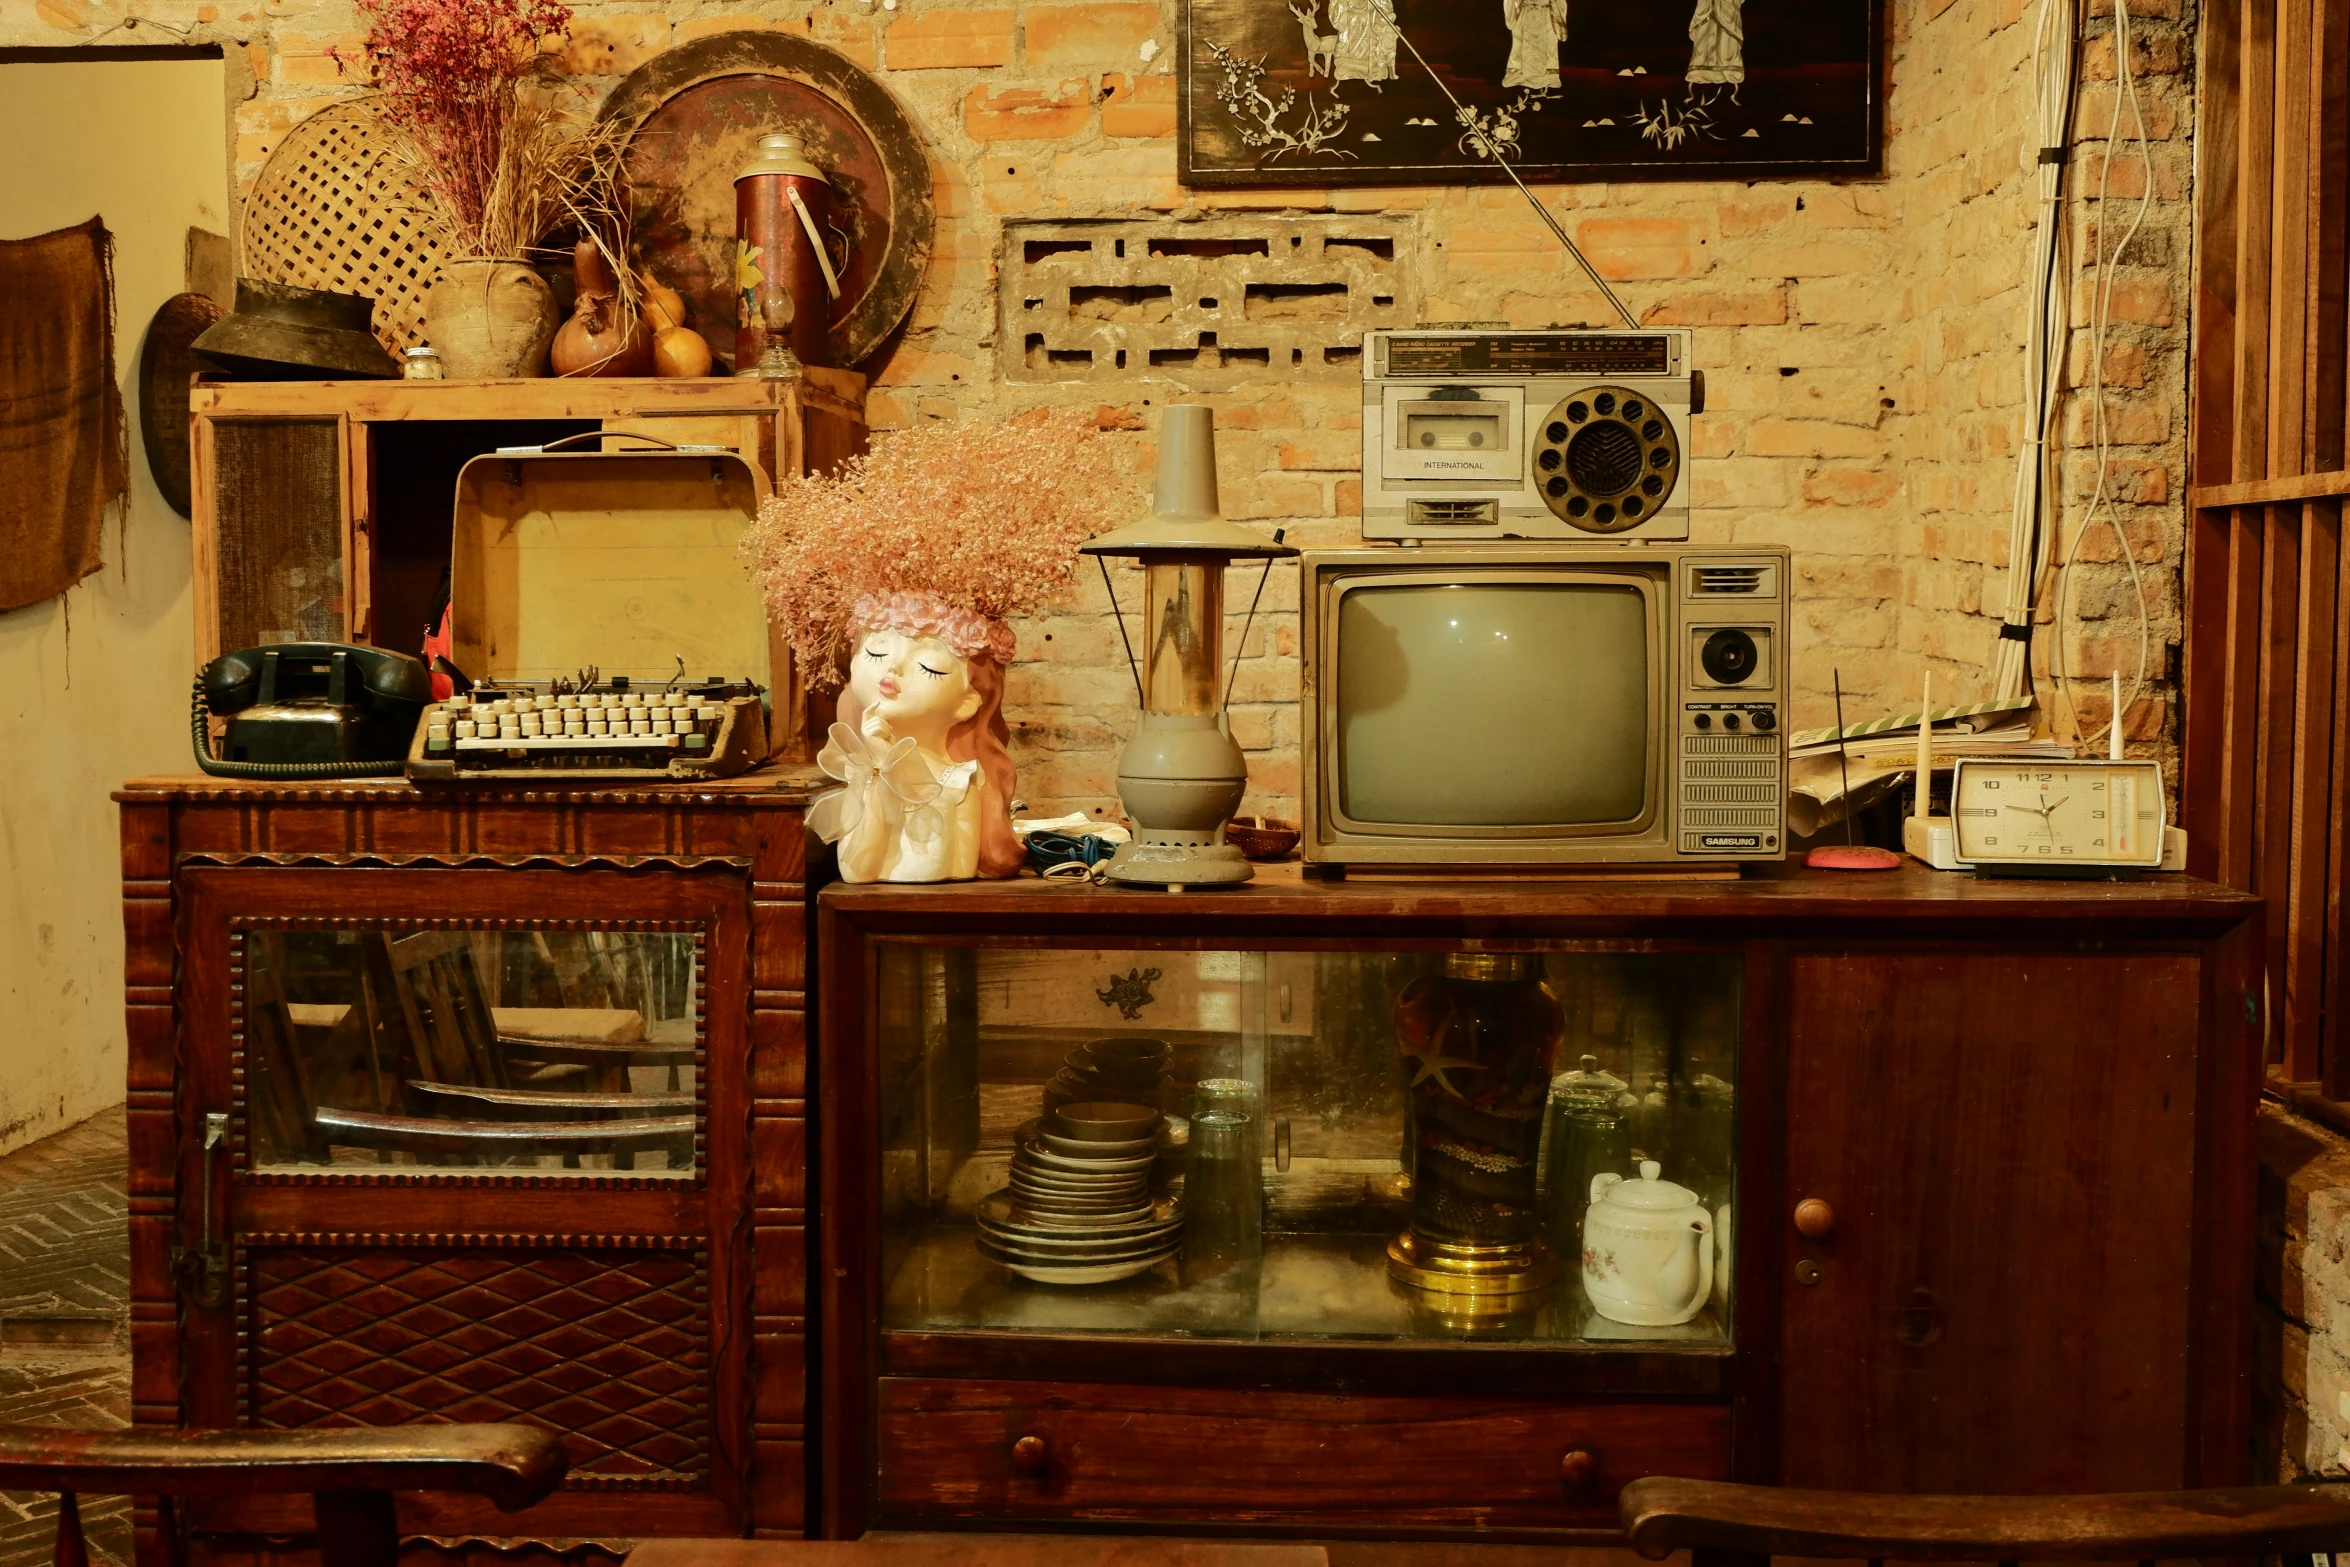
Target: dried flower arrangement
pixel 505 158
pixel 981 519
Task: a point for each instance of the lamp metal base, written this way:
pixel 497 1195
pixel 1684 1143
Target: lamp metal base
pixel 1474 1280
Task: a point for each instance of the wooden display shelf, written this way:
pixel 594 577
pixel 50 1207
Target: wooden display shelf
pixel 324 510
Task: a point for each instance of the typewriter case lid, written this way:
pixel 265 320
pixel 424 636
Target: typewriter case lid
pixel 621 560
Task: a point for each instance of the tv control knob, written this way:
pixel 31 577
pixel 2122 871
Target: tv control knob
pixel 1729 720
pixel 1766 720
pixel 1705 720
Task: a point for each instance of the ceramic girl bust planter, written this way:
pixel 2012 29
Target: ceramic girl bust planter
pixel 920 746
pixel 897 569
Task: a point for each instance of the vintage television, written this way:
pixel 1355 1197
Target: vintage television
pixel 1538 707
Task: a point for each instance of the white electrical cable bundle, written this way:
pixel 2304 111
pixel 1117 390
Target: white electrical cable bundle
pixel 2109 254
pixel 2055 68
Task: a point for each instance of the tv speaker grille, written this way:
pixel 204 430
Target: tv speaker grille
pixel 1756 769
pixel 1729 745
pixel 1729 818
pixel 1727 579
pixel 1730 794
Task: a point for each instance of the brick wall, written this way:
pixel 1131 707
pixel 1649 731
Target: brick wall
pixel 2301 1371
pixel 1861 339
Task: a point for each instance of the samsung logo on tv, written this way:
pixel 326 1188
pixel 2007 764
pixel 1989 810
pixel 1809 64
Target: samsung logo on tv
pixel 1732 840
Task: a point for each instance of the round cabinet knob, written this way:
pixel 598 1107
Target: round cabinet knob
pixel 1814 1219
pixel 1032 1455
pixel 1579 1469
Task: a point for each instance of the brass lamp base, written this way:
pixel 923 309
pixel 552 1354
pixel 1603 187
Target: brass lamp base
pixel 1473 1280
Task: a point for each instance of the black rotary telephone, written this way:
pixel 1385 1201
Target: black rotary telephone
pixel 309 710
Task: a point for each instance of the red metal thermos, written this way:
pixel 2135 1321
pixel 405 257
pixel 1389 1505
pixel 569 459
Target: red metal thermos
pixel 774 249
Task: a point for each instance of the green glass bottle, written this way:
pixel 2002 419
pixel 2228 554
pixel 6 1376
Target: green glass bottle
pixel 1585 1133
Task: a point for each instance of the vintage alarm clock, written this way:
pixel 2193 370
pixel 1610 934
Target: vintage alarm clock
pixel 2048 818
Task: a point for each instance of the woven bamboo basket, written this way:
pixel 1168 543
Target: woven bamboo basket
pixel 334 208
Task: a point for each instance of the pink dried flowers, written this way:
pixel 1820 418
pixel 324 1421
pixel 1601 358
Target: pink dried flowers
pixel 984 517
pixel 450 76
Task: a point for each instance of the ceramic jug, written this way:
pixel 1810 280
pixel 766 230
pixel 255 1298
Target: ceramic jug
pixel 1648 1250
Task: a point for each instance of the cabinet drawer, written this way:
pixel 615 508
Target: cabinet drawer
pixel 947 1449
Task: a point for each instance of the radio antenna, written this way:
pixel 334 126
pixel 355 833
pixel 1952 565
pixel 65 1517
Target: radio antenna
pixel 1843 767
pixel 1470 120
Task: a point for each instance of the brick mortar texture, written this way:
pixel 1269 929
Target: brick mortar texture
pixel 1862 339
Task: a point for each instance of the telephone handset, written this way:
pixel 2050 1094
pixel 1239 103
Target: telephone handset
pixel 310 710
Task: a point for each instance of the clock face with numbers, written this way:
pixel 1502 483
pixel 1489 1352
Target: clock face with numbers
pixel 2058 813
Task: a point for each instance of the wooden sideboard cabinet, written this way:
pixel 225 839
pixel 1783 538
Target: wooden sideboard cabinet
pixel 323 510
pixel 476 1103
pixel 1977 1156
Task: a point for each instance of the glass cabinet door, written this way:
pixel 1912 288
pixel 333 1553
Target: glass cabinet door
pixel 1325 1145
pixel 526 1050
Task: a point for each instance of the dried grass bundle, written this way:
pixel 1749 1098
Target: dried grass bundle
pixel 503 146
pixel 984 517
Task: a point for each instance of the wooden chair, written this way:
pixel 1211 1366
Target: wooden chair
pixel 349 1474
pixel 1723 1525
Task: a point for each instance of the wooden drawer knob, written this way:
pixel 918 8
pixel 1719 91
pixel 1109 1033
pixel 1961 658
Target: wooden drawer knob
pixel 1579 1469
pixel 1814 1219
pixel 1032 1455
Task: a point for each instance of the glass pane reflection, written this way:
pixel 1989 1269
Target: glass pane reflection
pixel 547 1052
pixel 1478 1106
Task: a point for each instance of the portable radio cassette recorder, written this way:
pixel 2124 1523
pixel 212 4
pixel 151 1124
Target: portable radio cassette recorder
pixel 1490 433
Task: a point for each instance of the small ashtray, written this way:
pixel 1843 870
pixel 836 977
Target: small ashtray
pixel 1266 840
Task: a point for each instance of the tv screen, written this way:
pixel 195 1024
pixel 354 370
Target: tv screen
pixel 1492 704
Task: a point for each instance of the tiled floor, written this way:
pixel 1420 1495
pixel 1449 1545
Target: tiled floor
pixel 64 1353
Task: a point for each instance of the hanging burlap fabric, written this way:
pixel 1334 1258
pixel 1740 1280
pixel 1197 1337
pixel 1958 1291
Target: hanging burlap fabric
pixel 64 452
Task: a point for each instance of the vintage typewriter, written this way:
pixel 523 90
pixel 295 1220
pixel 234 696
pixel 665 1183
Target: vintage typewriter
pixel 564 564
pixel 592 727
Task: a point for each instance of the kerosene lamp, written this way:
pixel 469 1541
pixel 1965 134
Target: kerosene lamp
pixel 1182 775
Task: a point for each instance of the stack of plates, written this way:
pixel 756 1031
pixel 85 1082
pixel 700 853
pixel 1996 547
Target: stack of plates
pixel 1128 1067
pixel 1084 1253
pixel 1079 1209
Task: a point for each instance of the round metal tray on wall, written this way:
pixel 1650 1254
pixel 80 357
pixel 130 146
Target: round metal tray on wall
pixel 334 208
pixel 694 115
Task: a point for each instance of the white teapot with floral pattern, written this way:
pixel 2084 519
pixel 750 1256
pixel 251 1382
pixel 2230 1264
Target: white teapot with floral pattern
pixel 1648 1250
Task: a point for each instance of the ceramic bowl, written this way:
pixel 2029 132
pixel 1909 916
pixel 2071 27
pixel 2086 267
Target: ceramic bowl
pixel 1069 1245
pixel 1062 1202
pixel 1043 1222
pixel 1088 1273
pixel 1072 1180
pixel 1077 1148
pixel 1135 1058
pixel 1112 1080
pixel 1266 840
pixel 1104 1121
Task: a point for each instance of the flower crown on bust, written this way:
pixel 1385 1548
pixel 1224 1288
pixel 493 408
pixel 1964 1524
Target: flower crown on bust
pixel 968 632
pixel 944 530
